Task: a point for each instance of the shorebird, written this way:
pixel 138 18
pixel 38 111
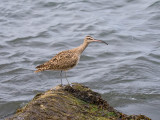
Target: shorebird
pixel 67 59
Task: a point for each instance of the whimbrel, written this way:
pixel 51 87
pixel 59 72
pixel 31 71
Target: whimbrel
pixel 68 59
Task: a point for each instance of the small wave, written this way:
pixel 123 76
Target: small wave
pixel 106 33
pixel 49 4
pixel 2 46
pixel 155 18
pixel 4 53
pixel 155 5
pixel 151 59
pixel 156 56
pixel 12 71
pixel 10 107
pixel 26 39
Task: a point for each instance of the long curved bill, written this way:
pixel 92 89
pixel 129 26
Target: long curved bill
pixel 100 41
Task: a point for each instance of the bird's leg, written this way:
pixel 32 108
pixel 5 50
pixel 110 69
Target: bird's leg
pixel 61 77
pixel 66 78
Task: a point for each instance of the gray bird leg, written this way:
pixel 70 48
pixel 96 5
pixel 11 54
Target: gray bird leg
pixel 61 77
pixel 66 78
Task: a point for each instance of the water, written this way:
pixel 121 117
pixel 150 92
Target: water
pixel 126 72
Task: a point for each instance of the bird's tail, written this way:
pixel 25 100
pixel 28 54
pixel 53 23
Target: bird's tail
pixel 38 71
pixel 39 68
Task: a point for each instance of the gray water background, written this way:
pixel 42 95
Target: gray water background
pixel 126 72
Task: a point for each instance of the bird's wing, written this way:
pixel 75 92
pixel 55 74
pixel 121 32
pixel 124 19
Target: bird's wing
pixel 62 61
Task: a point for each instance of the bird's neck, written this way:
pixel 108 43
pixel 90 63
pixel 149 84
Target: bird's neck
pixel 82 47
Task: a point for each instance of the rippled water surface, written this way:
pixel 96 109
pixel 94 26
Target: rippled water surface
pixel 126 72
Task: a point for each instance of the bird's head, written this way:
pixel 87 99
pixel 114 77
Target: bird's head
pixel 89 39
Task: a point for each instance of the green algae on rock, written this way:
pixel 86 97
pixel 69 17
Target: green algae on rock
pixel 76 102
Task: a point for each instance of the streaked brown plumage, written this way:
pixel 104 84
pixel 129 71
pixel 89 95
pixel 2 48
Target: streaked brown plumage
pixel 68 59
pixel 64 60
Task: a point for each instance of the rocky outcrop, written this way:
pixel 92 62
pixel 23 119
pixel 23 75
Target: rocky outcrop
pixel 76 102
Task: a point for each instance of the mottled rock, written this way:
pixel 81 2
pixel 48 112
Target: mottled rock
pixel 76 102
